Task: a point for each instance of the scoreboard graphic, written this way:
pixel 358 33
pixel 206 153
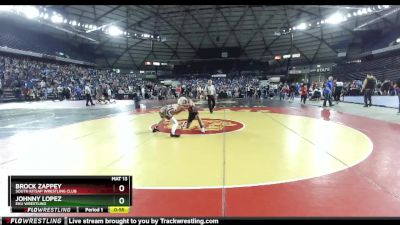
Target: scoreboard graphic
pixel 78 194
pixel 70 194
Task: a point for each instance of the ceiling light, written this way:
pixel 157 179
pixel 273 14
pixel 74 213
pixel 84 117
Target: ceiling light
pixel 114 31
pixel 30 12
pixel 302 26
pixel 297 55
pixel 364 11
pixel 369 9
pixel 6 7
pixel 65 21
pixel 56 18
pixel 354 13
pixel 348 15
pixel 359 12
pixel 386 6
pixel 379 7
pixel 46 16
pixel 335 18
pixel 73 23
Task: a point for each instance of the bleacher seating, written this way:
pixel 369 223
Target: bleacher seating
pixel 17 37
pixel 384 67
pixel 384 40
pixel 342 45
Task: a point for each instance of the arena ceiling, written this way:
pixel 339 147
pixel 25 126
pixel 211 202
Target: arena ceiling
pixel 188 28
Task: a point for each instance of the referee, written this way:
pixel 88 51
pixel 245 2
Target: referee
pixel 88 94
pixel 210 92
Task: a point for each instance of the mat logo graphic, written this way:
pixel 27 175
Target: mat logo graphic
pixel 213 126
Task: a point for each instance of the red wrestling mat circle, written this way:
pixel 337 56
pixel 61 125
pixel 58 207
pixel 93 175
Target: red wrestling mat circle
pixel 213 126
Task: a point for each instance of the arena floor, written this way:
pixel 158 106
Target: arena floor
pixel 258 157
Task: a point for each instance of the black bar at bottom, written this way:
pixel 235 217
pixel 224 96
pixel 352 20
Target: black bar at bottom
pixel 177 220
pixel 209 221
pixel 44 209
pixel 33 220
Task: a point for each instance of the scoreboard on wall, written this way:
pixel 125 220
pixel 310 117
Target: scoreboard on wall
pixel 70 194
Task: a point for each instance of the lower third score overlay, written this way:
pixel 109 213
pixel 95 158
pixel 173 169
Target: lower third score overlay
pixel 70 194
pixel 109 221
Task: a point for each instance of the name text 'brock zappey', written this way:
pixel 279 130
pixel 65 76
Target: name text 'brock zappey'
pixel 37 186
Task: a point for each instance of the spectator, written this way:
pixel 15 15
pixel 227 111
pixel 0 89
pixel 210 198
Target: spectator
pixel 283 92
pixel 385 87
pixel 136 99
pixel 368 88
pixel 315 94
pixel 1 90
pixel 329 83
pixel 292 90
pixel 304 93
pixel 327 92
pixel 398 92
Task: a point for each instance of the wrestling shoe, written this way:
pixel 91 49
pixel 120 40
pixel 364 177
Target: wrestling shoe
pixel 203 130
pixel 175 135
pixel 155 129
